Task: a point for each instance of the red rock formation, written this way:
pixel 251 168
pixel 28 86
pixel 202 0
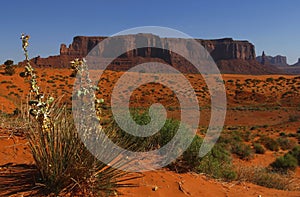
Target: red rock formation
pixel 231 56
pixel 220 49
pixel 80 46
pixel 277 60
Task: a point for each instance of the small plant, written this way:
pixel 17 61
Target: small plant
pixel 191 155
pixel 295 152
pixel 270 143
pixel 293 118
pixel 9 67
pixel 242 150
pixel 285 163
pixel 285 143
pixel 259 149
pixel 217 164
pixel 282 134
pixel 153 142
pixel 270 79
pixel 264 177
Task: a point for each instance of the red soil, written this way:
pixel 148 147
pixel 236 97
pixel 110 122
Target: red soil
pixel 164 182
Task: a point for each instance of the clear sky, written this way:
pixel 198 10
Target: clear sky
pixel 271 25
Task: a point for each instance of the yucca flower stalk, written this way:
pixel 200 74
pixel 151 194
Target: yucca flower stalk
pixel 40 107
pixel 80 67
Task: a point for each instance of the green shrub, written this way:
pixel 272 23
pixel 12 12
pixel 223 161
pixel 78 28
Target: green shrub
pixel 293 118
pixel 191 155
pixel 217 164
pixel 269 79
pixel 231 138
pixel 292 135
pixel 242 150
pixel 9 67
pixel 247 136
pixel 285 143
pixel 296 153
pixel 285 163
pixel 153 142
pixel 282 134
pixel 270 143
pixel 259 149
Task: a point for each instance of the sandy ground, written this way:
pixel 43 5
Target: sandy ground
pixel 268 110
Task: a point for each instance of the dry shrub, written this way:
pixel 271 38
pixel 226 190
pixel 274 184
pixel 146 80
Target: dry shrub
pixel 264 177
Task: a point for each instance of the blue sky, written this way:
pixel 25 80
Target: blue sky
pixel 271 25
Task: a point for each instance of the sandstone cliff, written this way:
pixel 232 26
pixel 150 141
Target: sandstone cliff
pixel 230 55
pixel 220 49
pixel 277 60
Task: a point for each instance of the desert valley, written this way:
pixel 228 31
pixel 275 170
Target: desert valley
pixel 257 154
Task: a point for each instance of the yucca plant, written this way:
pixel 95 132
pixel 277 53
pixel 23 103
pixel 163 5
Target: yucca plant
pixel 64 163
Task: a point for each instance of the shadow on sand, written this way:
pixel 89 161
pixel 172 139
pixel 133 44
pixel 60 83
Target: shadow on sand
pixel 19 178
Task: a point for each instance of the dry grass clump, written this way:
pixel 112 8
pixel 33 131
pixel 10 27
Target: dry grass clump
pixel 266 178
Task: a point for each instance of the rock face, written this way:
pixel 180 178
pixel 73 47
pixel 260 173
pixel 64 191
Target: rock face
pixel 277 60
pixel 220 49
pixel 231 56
pixel 80 46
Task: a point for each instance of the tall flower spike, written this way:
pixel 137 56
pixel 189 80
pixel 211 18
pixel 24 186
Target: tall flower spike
pixel 25 39
pixel 39 107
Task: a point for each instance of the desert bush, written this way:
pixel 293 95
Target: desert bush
pixel 217 164
pixel 285 163
pixel 191 155
pixel 270 79
pixel 286 143
pixel 233 142
pixel 269 143
pixel 266 178
pixel 50 81
pixel 242 150
pixel 295 152
pixel 259 149
pixel 9 67
pixel 157 140
pixel 247 136
pixel 293 118
pixel 230 138
pixel 282 134
pixel 292 135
